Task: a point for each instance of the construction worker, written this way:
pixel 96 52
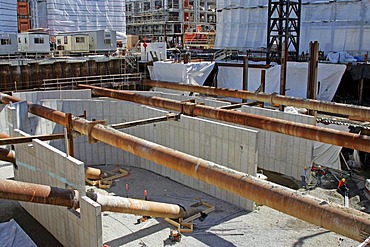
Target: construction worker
pixel 304 177
pixel 342 187
pixel 318 172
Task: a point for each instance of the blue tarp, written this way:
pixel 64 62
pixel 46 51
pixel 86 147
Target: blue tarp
pixel 12 235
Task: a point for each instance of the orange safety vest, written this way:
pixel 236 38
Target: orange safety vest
pixel 341 183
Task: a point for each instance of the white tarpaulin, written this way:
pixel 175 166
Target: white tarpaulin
pixel 72 15
pixel 329 76
pixel 327 154
pixel 190 73
pixel 341 25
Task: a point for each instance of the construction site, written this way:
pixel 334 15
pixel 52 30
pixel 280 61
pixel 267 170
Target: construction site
pixel 178 131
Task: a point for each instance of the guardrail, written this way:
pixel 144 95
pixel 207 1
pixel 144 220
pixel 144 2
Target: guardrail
pixel 115 81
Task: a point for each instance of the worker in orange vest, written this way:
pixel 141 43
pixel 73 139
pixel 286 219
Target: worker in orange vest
pixel 342 187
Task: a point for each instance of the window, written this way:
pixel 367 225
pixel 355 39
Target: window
pixel 65 40
pixel 38 40
pixel 107 41
pixel 19 40
pixel 25 40
pixel 59 41
pixel 5 41
pixel 80 39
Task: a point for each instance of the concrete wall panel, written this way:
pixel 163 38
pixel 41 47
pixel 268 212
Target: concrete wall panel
pixel 274 153
pixel 40 163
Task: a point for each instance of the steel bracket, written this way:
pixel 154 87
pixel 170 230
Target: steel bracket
pixel 90 126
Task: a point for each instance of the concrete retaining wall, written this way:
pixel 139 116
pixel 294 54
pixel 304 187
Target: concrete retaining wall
pixel 283 153
pixel 40 163
pixel 227 145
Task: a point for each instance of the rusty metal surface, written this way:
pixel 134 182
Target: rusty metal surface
pixel 325 135
pixel 168 117
pixel 324 106
pixel 25 139
pixel 3 135
pixel 345 221
pixel 29 192
pixel 330 136
pixel 332 217
pixel 139 207
pixel 7 155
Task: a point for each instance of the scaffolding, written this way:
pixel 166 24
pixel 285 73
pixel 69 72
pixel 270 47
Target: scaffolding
pixel 284 23
pixel 176 22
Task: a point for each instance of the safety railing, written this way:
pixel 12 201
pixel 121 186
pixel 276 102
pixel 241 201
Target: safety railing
pixel 115 81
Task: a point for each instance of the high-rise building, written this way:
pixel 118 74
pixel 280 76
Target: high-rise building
pixel 185 22
pixel 69 15
pixel 8 16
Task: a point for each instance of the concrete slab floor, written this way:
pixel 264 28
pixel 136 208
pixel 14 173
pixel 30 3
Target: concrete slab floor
pixel 228 225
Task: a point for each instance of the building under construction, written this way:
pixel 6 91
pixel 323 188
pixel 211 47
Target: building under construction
pixel 186 23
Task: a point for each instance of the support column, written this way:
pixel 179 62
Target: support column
pixel 284 59
pixel 312 73
pixel 245 75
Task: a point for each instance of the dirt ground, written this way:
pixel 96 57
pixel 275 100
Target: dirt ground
pixel 228 225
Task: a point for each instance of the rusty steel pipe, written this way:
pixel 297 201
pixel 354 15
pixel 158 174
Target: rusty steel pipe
pixel 324 106
pixel 25 139
pixel 29 192
pixel 345 221
pixel 330 216
pixel 3 135
pixel 36 193
pixel 7 155
pixel 141 207
pixel 320 134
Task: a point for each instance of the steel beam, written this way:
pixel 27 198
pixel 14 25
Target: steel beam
pixel 25 139
pixel 28 192
pixel 141 207
pixel 43 194
pixel 345 221
pixel 3 135
pixel 324 106
pixel 170 116
pixel 325 135
pixel 7 155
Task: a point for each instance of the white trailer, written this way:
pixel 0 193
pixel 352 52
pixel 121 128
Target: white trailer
pixel 33 42
pixel 72 43
pixel 98 40
pixel 102 40
pixel 8 43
